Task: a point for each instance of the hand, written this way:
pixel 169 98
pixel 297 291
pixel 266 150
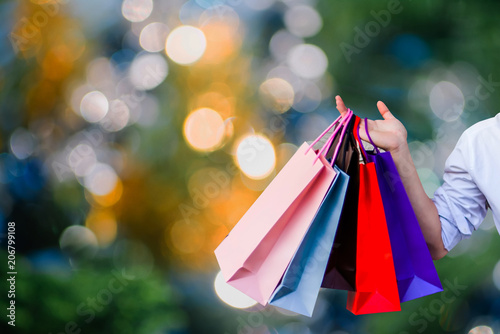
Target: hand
pixel 389 133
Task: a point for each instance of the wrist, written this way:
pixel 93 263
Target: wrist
pixel 401 150
pixel 403 161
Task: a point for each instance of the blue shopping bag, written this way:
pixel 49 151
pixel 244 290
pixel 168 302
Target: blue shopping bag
pixel 301 282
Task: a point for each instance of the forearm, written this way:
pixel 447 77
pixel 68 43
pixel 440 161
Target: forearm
pixel 425 210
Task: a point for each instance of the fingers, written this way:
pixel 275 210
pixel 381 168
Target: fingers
pixel 384 111
pixel 340 105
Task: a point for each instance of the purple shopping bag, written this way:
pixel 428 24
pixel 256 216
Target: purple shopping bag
pixel 415 271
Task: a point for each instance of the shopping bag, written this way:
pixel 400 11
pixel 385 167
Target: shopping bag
pixel 255 254
pixel 301 282
pixel 415 272
pixel 340 272
pixel 376 287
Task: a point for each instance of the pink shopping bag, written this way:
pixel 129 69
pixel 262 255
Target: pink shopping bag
pixel 255 254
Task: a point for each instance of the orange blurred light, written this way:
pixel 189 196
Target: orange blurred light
pixel 224 105
pixel 103 224
pixel 57 64
pixel 109 199
pixel 44 2
pixel 222 42
pixel 218 235
pixel 241 200
pixel 204 129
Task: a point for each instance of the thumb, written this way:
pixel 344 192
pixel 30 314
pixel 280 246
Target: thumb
pixel 340 105
pixel 384 111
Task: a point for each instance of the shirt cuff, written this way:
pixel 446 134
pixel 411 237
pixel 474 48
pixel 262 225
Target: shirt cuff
pixel 454 225
pixel 450 234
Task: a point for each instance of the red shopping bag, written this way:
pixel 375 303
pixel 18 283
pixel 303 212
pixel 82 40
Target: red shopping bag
pixel 376 286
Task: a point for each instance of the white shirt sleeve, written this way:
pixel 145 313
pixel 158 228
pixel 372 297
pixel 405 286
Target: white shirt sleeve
pixel 461 205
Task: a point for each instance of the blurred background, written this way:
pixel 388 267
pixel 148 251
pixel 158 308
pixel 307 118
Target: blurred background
pixel 128 134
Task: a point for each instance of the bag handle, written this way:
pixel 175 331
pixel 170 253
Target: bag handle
pixel 358 140
pixel 370 138
pixel 324 132
pixel 339 144
pixel 330 140
pixel 359 144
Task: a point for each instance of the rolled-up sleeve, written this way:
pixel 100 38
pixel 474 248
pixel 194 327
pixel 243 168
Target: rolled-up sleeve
pixel 461 205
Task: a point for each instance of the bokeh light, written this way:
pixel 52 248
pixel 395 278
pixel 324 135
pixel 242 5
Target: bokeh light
pixel 284 72
pixel 282 42
pixel 117 117
pixel 101 180
pixel 481 330
pixel 230 295
pixel 78 242
pixel 22 143
pixel 222 39
pixel 186 45
pixel 108 199
pixel 153 37
pixel 103 224
pixel 204 129
pixel 303 21
pixel 307 61
pixel 277 94
pixel 447 101
pixel 255 156
pixel 94 106
pixel 82 159
pixel 137 10
pixel 148 70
